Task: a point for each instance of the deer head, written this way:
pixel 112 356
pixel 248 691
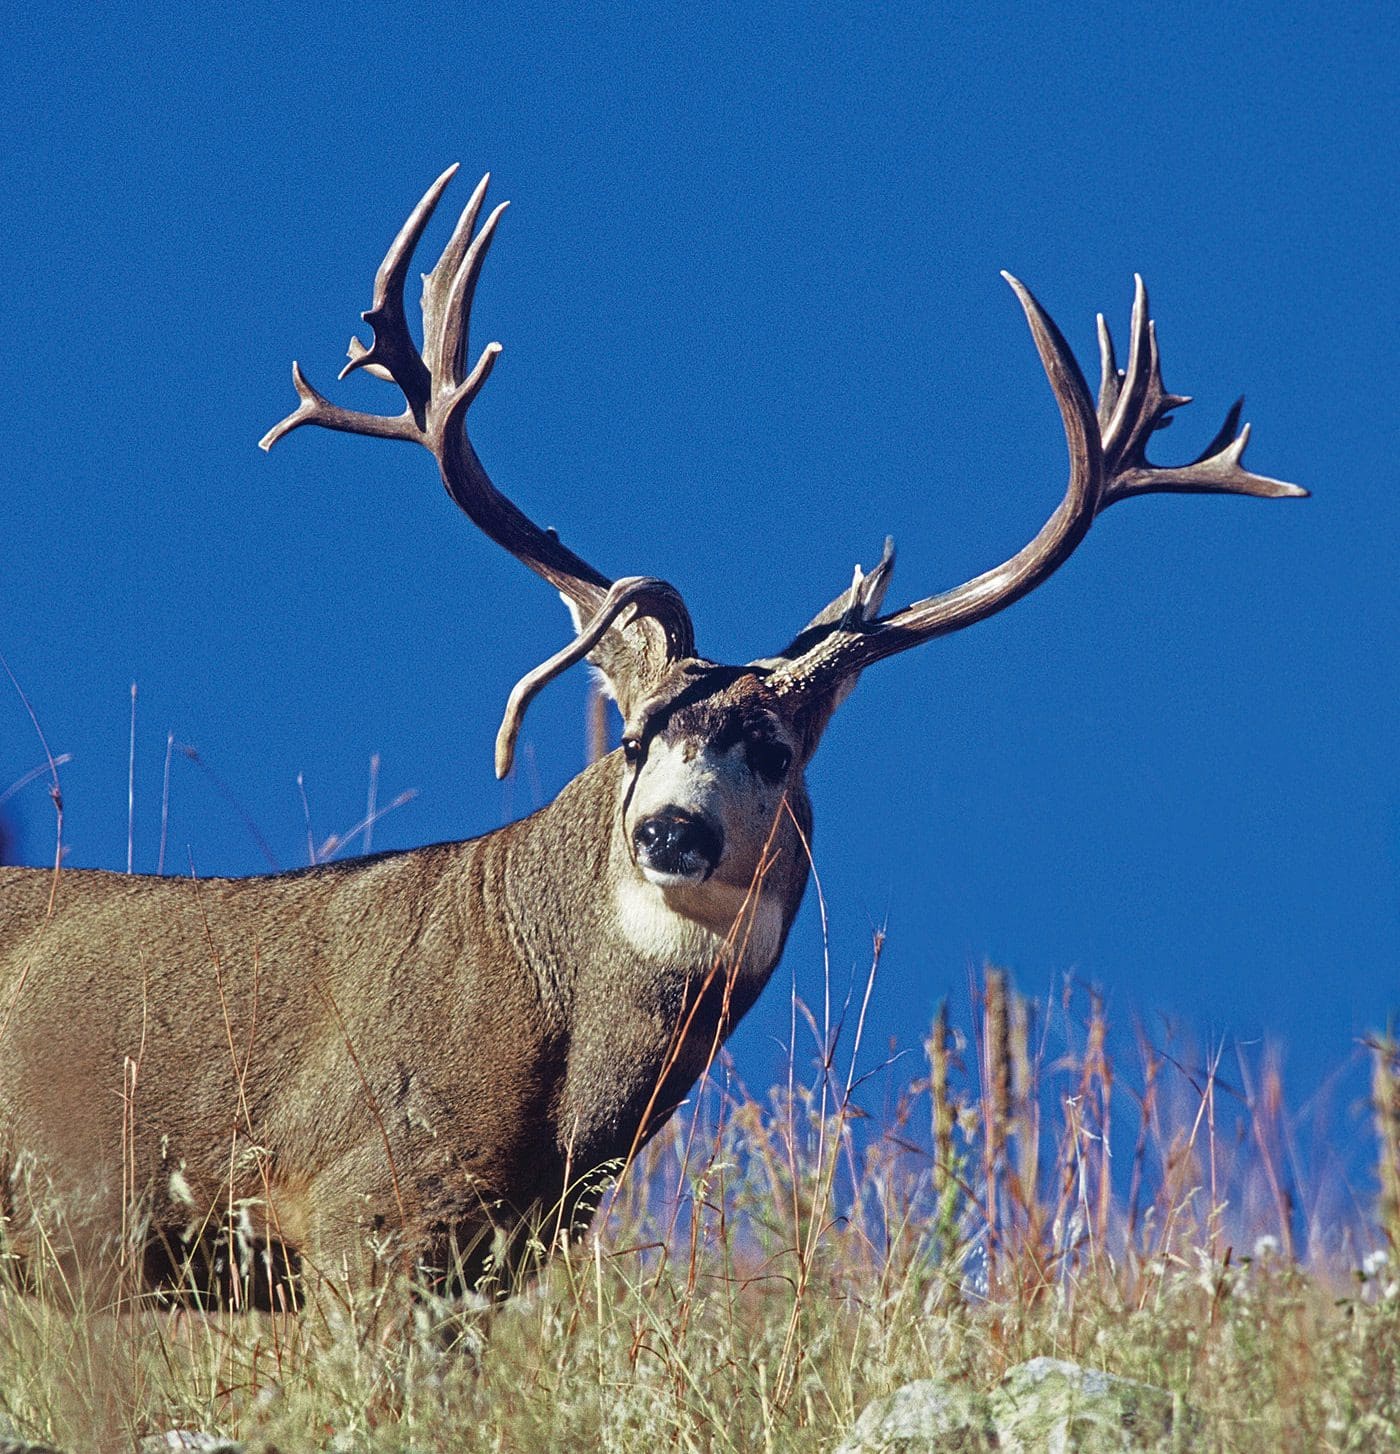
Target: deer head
pixel 711 752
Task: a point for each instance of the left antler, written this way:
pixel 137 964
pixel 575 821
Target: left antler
pixel 1108 462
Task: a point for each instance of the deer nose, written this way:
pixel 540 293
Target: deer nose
pixel 678 844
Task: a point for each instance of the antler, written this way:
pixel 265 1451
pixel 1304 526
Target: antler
pixel 1108 462
pixel 632 650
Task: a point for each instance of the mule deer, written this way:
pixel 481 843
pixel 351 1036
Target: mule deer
pixel 428 1047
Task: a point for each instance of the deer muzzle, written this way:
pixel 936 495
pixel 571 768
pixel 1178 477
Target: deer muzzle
pixel 677 846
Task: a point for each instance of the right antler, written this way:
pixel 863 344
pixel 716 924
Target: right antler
pixel 437 393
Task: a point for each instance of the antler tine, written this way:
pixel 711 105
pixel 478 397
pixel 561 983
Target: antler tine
pixel 1217 471
pixel 457 245
pixel 450 344
pixel 450 289
pixel 1107 463
pixel 393 349
pixel 1225 435
pixel 1110 376
pixel 859 603
pixel 1133 380
pixel 315 408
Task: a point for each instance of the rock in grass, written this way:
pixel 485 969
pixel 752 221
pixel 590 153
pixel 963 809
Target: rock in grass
pixel 1045 1406
pixel 1049 1404
pixel 195 1440
pixel 924 1416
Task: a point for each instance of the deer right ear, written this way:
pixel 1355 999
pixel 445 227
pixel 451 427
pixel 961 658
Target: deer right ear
pixel 628 660
pixel 639 630
pixel 808 713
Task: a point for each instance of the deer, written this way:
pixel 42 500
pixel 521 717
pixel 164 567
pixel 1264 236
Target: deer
pixel 433 1059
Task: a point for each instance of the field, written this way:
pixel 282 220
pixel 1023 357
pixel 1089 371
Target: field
pixel 775 1262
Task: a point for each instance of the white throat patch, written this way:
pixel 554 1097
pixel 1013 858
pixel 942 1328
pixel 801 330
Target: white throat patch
pixel 659 931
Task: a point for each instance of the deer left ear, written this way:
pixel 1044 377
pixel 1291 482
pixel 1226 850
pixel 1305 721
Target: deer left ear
pixel 596 672
pixel 808 712
pixel 814 698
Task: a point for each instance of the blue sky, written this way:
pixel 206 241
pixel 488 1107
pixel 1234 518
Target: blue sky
pixel 752 321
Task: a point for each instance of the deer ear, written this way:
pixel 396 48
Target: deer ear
pixel 811 711
pixel 810 701
pixel 599 676
pixel 806 706
pixel 628 661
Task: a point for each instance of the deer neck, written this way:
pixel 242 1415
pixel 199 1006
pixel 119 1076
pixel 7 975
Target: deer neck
pixel 644 985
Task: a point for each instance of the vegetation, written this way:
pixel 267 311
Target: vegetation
pixel 774 1264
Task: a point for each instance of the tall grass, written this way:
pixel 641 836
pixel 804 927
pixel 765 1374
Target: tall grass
pixel 773 1262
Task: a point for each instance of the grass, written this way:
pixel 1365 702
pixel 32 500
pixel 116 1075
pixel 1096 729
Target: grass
pixel 773 1264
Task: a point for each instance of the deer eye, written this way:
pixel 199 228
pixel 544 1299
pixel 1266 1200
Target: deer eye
pixel 631 751
pixel 768 759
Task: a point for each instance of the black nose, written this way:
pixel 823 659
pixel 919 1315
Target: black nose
pixel 677 842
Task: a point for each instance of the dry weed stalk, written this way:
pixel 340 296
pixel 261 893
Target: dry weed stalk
pixel 1385 1102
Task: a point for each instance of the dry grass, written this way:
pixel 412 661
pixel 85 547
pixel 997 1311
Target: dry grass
pixel 774 1264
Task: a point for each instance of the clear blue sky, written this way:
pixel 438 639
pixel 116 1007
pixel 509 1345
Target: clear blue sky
pixel 752 321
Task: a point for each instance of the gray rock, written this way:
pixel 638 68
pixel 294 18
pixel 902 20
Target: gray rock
pixel 195 1440
pixel 923 1417
pixel 11 1443
pixel 1045 1406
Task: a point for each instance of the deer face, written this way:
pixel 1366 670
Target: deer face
pixel 711 779
pixel 707 788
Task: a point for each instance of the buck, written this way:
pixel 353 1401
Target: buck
pixel 428 1059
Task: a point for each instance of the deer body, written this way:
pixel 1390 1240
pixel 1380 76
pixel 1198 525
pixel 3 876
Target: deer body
pixel 444 1040
pixel 411 1054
